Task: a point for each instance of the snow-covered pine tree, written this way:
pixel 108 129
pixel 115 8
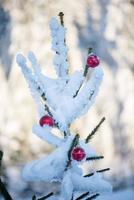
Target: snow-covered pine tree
pixel 60 102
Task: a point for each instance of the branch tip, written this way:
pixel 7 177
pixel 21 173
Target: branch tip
pixel 61 15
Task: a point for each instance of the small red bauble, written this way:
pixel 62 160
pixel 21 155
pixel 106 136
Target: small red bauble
pixel 93 61
pixel 78 154
pixel 46 120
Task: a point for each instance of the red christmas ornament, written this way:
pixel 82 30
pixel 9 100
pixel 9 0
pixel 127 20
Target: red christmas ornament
pixel 46 120
pixel 93 61
pixel 78 154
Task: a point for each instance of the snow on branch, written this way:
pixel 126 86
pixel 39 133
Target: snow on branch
pixel 33 80
pixel 51 167
pixel 74 182
pixel 58 45
pixel 93 184
pixel 74 82
pixel 59 95
pixel 45 134
pixel 88 93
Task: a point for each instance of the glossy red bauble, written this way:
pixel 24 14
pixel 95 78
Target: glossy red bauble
pixel 93 61
pixel 46 120
pixel 78 154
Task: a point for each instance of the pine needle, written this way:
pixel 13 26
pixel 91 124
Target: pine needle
pixel 89 137
pixel 94 158
pixel 47 196
pixel 98 171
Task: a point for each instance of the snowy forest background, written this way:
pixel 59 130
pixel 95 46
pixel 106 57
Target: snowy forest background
pixel 107 26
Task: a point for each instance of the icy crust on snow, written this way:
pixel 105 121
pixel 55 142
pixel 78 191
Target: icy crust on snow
pixel 49 168
pixel 58 45
pixel 60 96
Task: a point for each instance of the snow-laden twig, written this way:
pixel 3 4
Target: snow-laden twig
pixel 58 45
pixel 59 93
pixel 45 134
pixel 51 167
pixel 34 83
pixel 93 184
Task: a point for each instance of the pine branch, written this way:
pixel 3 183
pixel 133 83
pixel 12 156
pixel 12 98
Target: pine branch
pixel 44 100
pixel 49 112
pixel 61 15
pixel 45 105
pixel 74 143
pixel 90 50
pixel 82 196
pixel 79 90
pixel 43 95
pixel 93 197
pixel 98 171
pixel 94 158
pixel 47 196
pixel 84 73
pixel 94 130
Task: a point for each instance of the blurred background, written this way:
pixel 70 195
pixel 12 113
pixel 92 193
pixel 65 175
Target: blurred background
pixel 107 26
